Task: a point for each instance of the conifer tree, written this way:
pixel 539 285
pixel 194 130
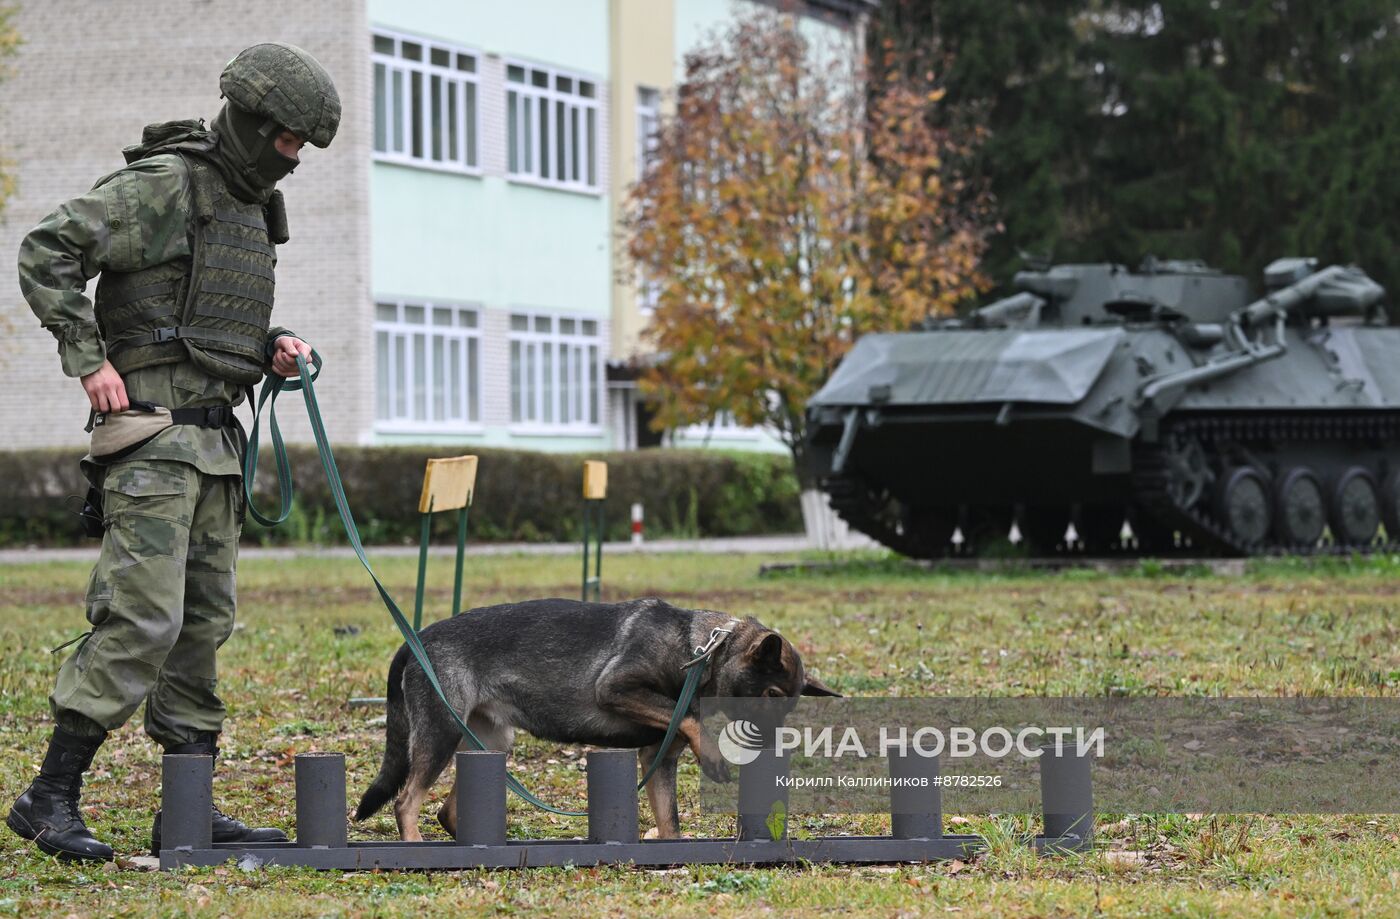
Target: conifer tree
pixel 1235 131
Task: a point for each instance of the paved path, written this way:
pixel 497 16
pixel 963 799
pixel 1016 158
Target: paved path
pixel 745 545
pixel 1226 567
pixel 737 545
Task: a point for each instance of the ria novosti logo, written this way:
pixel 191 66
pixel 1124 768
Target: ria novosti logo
pixel 740 742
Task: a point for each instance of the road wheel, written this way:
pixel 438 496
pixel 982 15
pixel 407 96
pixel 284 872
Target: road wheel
pixel 1355 513
pixel 1300 509
pixel 1243 504
pixel 1390 507
pixel 1152 537
pixel 1043 529
pixel 986 530
pixel 930 529
pixel 1100 529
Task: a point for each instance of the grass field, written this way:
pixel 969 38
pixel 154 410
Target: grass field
pixel 312 634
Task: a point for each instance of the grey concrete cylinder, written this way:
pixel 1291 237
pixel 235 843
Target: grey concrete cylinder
pixel 612 796
pixel 763 796
pixel 481 798
pixel 1067 796
pixel 320 791
pixel 186 801
pixel 916 803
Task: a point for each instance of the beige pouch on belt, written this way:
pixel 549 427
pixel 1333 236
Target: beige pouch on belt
pixel 114 433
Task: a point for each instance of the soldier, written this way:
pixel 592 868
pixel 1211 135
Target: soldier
pixel 183 239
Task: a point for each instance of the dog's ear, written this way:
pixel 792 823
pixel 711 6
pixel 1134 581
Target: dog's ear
pixel 815 687
pixel 766 654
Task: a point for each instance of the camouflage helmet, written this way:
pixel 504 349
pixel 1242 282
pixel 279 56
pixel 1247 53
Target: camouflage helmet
pixel 288 85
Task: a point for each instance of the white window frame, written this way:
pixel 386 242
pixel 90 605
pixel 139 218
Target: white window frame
pixel 648 124
pixel 522 103
pixel 648 294
pixel 724 427
pixel 396 393
pixel 556 409
pixel 467 104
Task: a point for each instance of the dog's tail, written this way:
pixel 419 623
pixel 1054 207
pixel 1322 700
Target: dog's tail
pixel 393 771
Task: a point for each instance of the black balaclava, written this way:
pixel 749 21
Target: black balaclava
pixel 247 153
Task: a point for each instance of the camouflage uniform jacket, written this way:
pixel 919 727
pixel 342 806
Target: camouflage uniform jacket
pixel 134 218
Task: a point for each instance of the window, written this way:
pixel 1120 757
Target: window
pixel 556 371
pixel 723 425
pixel 648 123
pixel 648 294
pixel 425 103
pixel 551 127
pixel 427 358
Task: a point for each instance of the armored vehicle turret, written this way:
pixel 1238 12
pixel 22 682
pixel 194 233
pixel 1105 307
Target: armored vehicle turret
pixel 1169 398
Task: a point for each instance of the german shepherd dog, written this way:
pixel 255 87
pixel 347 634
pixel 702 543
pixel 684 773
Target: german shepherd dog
pixel 602 674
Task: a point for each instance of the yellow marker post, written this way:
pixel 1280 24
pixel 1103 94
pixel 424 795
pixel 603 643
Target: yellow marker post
pixel 595 480
pixel 449 483
pixel 595 490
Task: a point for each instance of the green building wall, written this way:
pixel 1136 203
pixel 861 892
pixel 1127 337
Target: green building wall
pixel 486 240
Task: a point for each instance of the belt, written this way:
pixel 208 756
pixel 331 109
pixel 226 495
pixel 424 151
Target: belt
pixel 212 416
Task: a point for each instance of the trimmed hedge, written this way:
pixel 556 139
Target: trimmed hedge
pixel 520 495
pixel 40 496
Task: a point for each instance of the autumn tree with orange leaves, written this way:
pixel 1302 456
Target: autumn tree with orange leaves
pixel 786 213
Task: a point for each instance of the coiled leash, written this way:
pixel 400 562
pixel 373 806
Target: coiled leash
pixel 272 386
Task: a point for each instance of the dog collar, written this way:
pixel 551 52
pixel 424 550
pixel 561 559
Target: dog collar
pixel 717 637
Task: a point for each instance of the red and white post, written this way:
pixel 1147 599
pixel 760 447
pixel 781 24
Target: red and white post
pixel 636 524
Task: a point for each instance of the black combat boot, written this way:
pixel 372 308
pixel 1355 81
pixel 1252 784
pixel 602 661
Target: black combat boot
pixel 47 813
pixel 225 828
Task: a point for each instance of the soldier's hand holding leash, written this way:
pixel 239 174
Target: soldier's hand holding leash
pixel 284 355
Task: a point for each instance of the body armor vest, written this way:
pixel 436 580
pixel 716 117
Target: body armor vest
pixel 213 308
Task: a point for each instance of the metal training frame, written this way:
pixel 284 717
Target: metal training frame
pixel 322 842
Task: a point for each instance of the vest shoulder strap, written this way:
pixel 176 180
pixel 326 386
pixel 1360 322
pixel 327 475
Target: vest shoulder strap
pixel 275 212
pixel 204 184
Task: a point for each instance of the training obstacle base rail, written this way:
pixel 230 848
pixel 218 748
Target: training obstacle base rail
pixel 917 820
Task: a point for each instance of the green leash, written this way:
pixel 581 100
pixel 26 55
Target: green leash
pixel 274 385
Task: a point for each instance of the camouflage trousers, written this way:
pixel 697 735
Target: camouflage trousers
pixel 161 602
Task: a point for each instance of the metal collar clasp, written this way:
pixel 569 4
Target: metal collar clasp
pixel 717 637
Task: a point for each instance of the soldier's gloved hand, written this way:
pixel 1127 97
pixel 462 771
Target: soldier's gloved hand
pixel 106 391
pixel 284 355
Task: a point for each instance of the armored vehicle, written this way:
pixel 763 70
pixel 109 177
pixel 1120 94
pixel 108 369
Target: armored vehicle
pixel 1165 398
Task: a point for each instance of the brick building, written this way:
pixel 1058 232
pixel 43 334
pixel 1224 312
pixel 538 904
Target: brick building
pixel 452 252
